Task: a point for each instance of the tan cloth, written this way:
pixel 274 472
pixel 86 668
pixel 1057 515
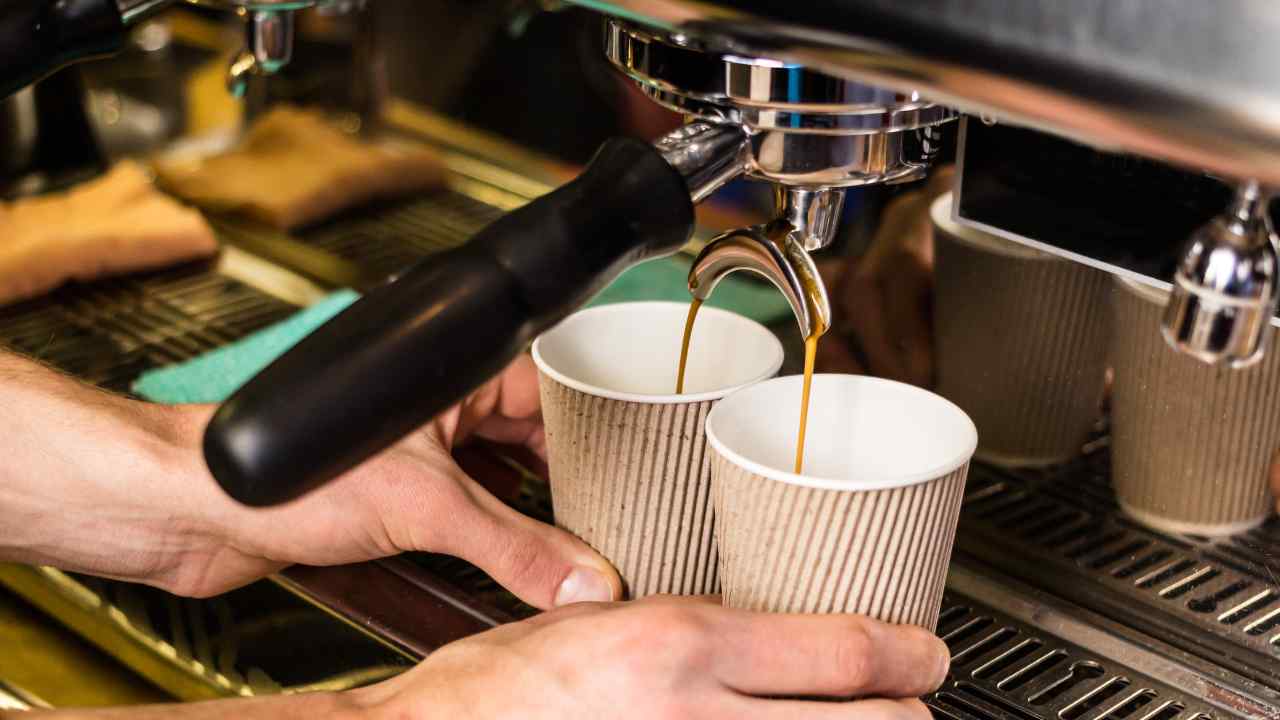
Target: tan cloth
pixel 292 168
pixel 111 225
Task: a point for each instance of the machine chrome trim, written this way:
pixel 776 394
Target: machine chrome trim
pixel 1188 82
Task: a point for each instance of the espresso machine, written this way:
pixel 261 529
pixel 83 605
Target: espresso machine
pixel 1057 606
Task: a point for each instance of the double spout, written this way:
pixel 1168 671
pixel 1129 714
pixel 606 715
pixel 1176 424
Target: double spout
pixel 778 251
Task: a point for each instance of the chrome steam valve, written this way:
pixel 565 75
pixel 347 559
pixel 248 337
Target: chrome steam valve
pixel 1224 290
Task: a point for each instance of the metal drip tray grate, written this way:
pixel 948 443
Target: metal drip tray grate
pixel 111 331
pixel 388 238
pixel 1062 531
pixel 1003 669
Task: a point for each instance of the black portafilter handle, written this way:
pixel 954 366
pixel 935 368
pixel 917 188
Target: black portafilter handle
pixel 40 36
pixel 413 348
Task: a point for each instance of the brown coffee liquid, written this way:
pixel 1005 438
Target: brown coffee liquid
pixel 684 344
pixel 810 354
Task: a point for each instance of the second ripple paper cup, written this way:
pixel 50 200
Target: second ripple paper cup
pixel 868 528
pixel 1021 342
pixel 1191 443
pixel 630 468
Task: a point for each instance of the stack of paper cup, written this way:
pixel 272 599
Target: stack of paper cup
pixel 1191 443
pixel 630 469
pixel 1020 340
pixel 868 528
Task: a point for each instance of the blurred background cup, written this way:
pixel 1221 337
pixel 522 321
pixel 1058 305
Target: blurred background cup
pixel 1191 443
pixel 868 528
pixel 630 469
pixel 1020 338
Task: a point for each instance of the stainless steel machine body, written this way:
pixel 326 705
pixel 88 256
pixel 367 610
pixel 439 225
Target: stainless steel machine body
pixel 1188 84
pixel 810 134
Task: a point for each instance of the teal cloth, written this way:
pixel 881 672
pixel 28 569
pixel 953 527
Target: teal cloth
pixel 214 376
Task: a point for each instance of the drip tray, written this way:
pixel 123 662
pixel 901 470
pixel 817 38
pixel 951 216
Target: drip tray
pixel 1061 531
pixel 1002 668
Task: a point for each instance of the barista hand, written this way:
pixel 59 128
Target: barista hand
pixel 882 302
pixel 109 486
pixel 661 657
pixel 668 657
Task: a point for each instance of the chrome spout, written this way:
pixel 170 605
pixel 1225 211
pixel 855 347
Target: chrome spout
pixel 814 214
pixel 1224 290
pixel 775 252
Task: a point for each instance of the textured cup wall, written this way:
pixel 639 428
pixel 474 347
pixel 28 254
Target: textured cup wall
pixel 1021 347
pixel 789 548
pixel 633 480
pixel 1191 443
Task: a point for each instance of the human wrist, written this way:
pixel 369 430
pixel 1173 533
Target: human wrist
pixel 205 525
pixel 89 478
pixel 165 504
pixel 328 705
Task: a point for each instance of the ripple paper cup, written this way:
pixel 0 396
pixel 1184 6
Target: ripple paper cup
pixel 630 468
pixel 1191 443
pixel 869 527
pixel 1021 342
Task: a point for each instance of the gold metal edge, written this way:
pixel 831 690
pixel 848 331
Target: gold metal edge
pixel 106 626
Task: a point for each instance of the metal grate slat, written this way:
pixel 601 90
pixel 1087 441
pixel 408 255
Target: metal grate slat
pixel 1219 599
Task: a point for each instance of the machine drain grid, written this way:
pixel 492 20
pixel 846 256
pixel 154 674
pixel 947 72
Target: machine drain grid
pixel 1062 531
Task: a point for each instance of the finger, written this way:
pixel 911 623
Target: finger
pixel 571 612
pixel 864 304
pixel 542 565
pixel 518 390
pixel 512 395
pixel 525 432
pixel 942 179
pixel 837 655
pixel 910 305
pixel 749 708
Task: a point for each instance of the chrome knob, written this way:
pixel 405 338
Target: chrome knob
pixel 1224 290
pixel 268 48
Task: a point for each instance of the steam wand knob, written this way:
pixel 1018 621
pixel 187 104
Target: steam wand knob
pixel 1224 289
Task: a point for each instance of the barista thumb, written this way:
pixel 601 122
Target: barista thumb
pixel 543 565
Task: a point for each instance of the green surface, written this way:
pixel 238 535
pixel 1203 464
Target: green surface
pixel 212 377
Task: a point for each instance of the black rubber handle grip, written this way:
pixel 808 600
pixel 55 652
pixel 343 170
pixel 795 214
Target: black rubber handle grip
pixel 40 36
pixel 411 349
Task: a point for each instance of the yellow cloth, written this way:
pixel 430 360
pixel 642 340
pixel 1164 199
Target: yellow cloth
pixel 292 168
pixel 114 224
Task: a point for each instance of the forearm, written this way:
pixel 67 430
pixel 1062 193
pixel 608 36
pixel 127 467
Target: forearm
pixel 90 481
pixel 328 705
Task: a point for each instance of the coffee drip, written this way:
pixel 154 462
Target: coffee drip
pixel 778 251
pixel 815 299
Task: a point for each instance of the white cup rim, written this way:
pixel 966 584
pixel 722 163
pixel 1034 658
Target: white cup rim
pixel 941 214
pixel 749 325
pixel 865 482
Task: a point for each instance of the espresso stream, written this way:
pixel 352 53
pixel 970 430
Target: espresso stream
pixel 810 353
